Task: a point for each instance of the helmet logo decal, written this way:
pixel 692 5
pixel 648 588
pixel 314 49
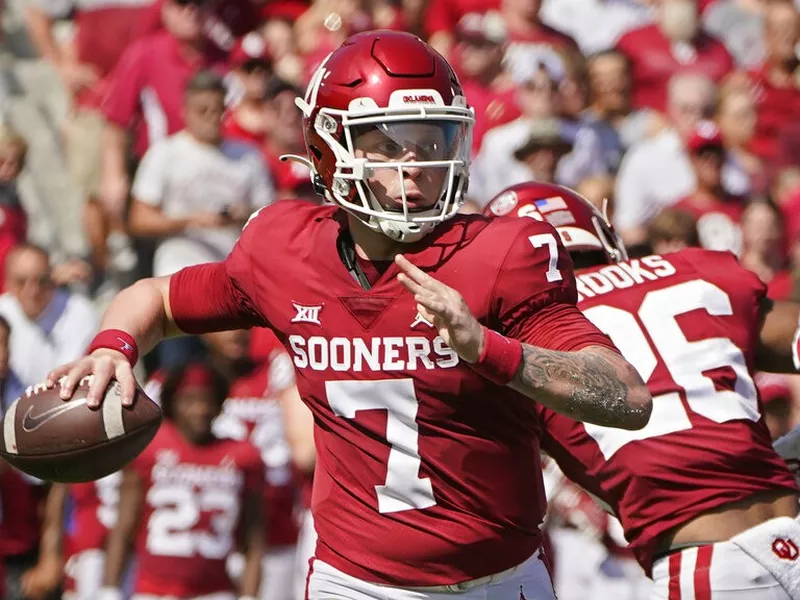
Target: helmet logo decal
pixel 427 98
pixel 504 204
pixel 401 98
pixel 546 205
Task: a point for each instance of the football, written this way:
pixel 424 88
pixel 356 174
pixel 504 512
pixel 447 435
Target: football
pixel 65 441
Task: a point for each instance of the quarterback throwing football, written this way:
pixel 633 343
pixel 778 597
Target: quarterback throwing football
pixel 423 340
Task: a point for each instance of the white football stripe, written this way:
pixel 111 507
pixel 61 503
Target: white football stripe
pixel 10 429
pixel 112 414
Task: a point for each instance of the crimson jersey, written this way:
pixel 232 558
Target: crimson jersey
pixel 252 412
pixel 689 322
pixel 193 497
pixel 93 512
pixel 426 473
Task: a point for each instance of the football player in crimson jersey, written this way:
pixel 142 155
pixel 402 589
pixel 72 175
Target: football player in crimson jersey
pixel 77 519
pixel 186 497
pixel 252 411
pixel 707 505
pixel 427 473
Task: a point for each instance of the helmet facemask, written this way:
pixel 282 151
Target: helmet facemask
pixel 404 169
pixel 610 240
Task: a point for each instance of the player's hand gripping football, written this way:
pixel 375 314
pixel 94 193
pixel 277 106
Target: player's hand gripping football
pixel 104 365
pixel 445 308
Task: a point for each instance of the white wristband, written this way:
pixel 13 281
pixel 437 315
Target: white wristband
pixel 796 348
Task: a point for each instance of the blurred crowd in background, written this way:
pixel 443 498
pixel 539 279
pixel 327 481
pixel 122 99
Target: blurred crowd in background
pixel 681 118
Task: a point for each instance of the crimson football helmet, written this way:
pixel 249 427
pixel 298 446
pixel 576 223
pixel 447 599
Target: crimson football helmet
pixel 581 226
pixel 390 92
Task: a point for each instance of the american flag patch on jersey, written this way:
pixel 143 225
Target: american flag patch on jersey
pixel 546 205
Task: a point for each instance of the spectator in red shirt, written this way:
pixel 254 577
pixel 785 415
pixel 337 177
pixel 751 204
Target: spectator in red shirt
pixel 291 178
pixel 528 36
pixel 13 220
pixel 486 84
pixel 245 120
pixel 146 89
pixel 674 43
pixel 763 247
pixel 104 29
pixel 776 82
pixel 21 498
pixel 717 212
pixel 442 16
pixel 224 22
pixel 526 33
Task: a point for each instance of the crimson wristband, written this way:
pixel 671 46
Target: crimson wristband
pixel 116 339
pixel 500 359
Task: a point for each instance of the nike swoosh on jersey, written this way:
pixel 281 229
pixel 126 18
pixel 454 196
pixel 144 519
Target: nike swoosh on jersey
pixel 33 422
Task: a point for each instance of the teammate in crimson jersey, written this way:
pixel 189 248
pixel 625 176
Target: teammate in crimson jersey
pixel 185 498
pixel 427 475
pixel 252 411
pixel 77 519
pixel 706 503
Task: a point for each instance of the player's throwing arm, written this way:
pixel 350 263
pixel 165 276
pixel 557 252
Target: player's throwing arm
pixel 593 384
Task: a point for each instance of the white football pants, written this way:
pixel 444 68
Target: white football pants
pixel 527 581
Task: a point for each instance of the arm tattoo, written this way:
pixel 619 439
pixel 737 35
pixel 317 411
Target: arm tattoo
pixel 593 384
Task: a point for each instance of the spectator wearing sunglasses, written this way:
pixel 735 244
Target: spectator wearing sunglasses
pixel 48 324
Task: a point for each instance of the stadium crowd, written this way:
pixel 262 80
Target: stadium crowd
pixel 680 117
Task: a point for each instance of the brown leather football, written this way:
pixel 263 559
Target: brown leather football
pixel 46 437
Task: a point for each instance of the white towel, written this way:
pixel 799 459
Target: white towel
pixel 775 545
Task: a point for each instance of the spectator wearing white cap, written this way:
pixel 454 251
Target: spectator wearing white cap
pixel 491 92
pixel 494 167
pixel 657 173
pixel 596 25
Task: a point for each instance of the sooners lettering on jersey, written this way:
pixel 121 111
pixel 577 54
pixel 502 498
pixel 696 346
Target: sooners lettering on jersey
pixel 689 323
pixel 427 474
pixel 252 412
pixel 193 499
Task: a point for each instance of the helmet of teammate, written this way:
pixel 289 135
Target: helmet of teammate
pixel 583 229
pixel 388 132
